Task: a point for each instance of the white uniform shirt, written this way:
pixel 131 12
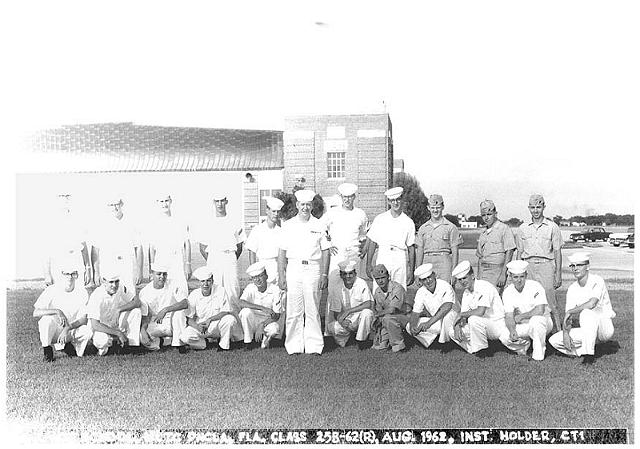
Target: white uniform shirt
pixel 69 235
pixel 594 288
pixel 168 235
pixel 73 304
pixel 222 234
pixel 304 240
pixel 484 295
pixel 116 239
pixel 532 295
pixel 349 298
pixel 270 298
pixel 346 226
pixel 431 302
pixel 264 241
pixel 387 231
pixel 156 299
pixel 204 307
pixel 103 306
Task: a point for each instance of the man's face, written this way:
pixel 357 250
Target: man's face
pixel 349 278
pixel 69 280
pixel 304 208
pixel 159 278
pixel 579 269
pixel 116 209
pixel 396 204
pixel 165 204
pixel 536 208
pixel 221 206
pixel 347 201
pixel 383 282
pixel 260 281
pixel 272 215
pixel 467 281
pixel 111 286
pixel 518 280
pixel 436 210
pixel 65 203
pixel 489 217
pixel 429 282
pixel 206 286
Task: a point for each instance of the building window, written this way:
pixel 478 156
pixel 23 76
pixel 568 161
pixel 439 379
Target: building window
pixel 263 204
pixel 336 164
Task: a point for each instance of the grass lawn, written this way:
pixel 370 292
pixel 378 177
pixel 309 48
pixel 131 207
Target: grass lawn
pixel 344 388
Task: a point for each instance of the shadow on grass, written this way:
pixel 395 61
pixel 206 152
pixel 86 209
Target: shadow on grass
pixel 607 348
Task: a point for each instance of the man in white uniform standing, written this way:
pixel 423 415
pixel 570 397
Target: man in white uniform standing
pixel 262 306
pixel 526 313
pixel 347 226
pixel 169 244
pixel 589 304
pixel 61 310
pixel 264 240
pixel 117 243
pixel 352 307
pixel 210 315
pixel 393 233
pixel 68 245
pixel 221 246
pixel 481 315
pixel 303 265
pixel 114 314
pixel 163 305
pixel 432 315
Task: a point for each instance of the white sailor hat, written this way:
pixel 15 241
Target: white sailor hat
pixel 333 201
pixel 347 266
pixel 393 193
pixel 304 195
pixel 114 199
pixel 159 267
pixel 274 203
pixel 461 269
pixel 202 273
pixel 68 265
pixel 517 266
pixel 163 196
pixel 347 189
pixel 424 271
pixel 219 196
pixel 255 268
pixel 579 257
pixel 298 176
pixel 110 272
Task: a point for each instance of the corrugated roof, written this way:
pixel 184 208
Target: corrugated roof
pixel 130 147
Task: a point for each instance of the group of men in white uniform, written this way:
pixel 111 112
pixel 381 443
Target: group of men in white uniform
pixel 292 263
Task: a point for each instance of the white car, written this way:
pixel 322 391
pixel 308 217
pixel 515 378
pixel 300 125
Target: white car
pixel 621 238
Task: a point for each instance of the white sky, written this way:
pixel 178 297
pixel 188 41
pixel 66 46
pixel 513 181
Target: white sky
pixel 495 99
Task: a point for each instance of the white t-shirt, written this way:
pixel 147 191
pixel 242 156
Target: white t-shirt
pixel 431 302
pixel 154 299
pixel 116 238
pixel 532 295
pixel 346 226
pixel 304 240
pixel 167 235
pixel 204 307
pixel 270 298
pixel 264 241
pixel 387 231
pixel 349 298
pixel 73 304
pixel 221 234
pixel 594 288
pixel 484 295
pixel 102 306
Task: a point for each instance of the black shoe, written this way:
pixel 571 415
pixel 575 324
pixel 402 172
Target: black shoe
pixel 483 353
pixel 247 346
pixel 70 350
pixel 588 359
pixel 362 345
pixel 48 354
pixel 117 349
pixel 220 349
pixel 182 349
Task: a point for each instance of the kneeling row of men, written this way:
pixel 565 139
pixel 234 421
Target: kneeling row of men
pixel 113 316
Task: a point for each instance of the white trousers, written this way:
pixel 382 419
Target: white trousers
pixel 129 323
pixel 303 330
pixel 224 330
pixel 49 328
pixel 224 266
pixel 172 325
pixel 175 274
pixel 535 332
pixel 593 328
pixel 477 333
pixel 251 319
pixel 396 263
pixel 360 325
pixel 442 328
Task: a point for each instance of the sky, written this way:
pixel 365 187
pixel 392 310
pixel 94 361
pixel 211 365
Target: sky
pixel 495 99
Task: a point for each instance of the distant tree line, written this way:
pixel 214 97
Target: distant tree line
pixel 598 220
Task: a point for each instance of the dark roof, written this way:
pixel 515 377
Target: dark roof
pixel 130 147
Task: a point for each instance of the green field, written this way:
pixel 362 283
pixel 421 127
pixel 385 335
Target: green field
pixel 344 388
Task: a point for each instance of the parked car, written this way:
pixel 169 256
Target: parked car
pixel 631 241
pixel 622 238
pixel 590 234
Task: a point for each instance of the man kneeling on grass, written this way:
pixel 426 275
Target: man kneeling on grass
pixel 262 307
pixel 352 306
pixel 162 309
pixel 589 305
pixel 114 314
pixel 210 315
pixel 62 315
pixel 391 306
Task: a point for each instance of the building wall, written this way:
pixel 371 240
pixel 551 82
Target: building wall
pixel 367 143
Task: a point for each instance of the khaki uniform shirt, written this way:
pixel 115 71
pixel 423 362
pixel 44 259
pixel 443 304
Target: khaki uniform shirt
pixel 538 240
pixel 438 237
pixel 494 242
